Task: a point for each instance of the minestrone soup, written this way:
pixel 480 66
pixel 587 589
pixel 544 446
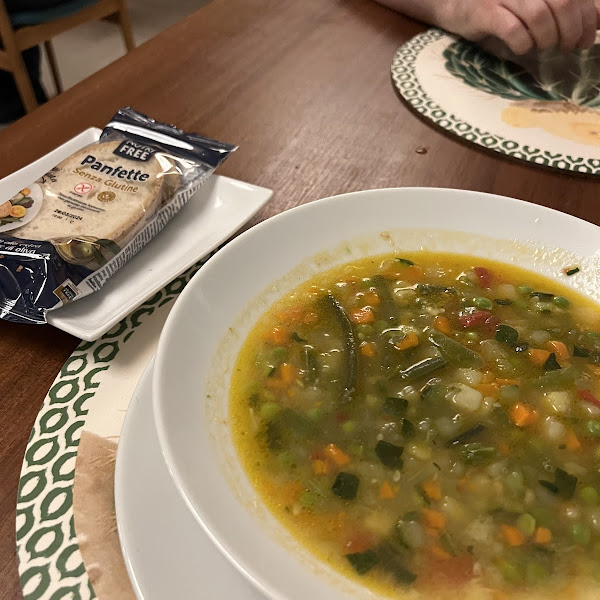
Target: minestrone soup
pixel 430 424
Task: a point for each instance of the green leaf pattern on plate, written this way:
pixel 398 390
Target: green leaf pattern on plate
pixel 406 80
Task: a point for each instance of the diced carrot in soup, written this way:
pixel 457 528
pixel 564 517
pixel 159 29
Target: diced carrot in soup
pixel 559 348
pixel 523 416
pixel 386 491
pixel 538 356
pixel 433 518
pixel 277 336
pixel 410 340
pixel 512 535
pixel 442 324
pixel 339 457
pixel 543 536
pixel 411 274
pixel 368 349
pixel 288 372
pixel 572 442
pixel 371 298
pixel 363 316
pixel 488 389
pixel 358 541
pixel 432 489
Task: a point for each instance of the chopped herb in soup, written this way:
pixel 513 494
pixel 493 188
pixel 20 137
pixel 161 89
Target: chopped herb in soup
pixel 431 424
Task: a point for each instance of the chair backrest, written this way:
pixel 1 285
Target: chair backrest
pixel 5 24
pixel 7 37
pixel 41 26
pixel 11 60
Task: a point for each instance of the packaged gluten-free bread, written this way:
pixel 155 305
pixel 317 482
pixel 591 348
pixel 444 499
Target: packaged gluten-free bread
pixel 65 234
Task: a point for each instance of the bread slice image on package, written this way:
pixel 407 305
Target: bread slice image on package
pixel 84 195
pixel 63 236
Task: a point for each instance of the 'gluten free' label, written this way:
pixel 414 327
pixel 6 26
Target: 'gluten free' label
pixel 133 150
pixel 83 188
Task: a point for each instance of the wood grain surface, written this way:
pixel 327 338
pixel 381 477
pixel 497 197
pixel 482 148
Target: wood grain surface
pixel 304 88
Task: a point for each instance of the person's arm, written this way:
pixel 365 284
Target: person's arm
pixel 521 24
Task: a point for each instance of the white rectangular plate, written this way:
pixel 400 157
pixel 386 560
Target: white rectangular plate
pixel 214 213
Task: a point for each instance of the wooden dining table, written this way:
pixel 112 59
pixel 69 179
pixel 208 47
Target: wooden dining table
pixel 304 88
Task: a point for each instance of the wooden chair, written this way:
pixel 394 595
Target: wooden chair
pixel 26 29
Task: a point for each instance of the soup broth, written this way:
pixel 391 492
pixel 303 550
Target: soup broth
pixel 430 425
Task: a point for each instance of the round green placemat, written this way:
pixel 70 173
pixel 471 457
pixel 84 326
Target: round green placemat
pixel 51 565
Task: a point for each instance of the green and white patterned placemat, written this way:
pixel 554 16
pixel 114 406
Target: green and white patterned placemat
pixel 89 397
pixel 500 106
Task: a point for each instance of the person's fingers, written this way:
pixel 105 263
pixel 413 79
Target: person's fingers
pixel 510 29
pixel 567 14
pixel 589 18
pixel 537 17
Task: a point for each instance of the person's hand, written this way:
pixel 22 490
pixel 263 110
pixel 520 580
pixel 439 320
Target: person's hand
pixel 523 24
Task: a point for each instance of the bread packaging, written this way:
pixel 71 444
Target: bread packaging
pixel 64 235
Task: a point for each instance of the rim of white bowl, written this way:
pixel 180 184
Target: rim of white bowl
pixel 158 384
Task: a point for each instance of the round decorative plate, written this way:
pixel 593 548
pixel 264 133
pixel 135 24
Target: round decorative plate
pixel 186 564
pixel 67 544
pixel 550 118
